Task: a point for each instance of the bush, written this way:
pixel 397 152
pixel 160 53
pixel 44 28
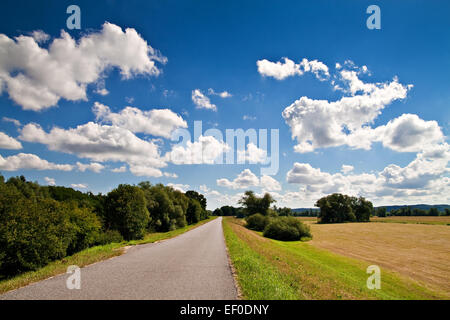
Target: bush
pixel 32 233
pixel 286 229
pixel 109 236
pixel 257 222
pixel 127 211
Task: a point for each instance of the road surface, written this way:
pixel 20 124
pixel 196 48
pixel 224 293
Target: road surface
pixel 192 266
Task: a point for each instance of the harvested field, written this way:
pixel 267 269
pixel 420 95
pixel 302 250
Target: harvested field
pixel 418 251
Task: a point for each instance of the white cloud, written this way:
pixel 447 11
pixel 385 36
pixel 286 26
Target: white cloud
pixel 101 90
pixel 170 175
pixel 281 70
pixel 40 36
pixel 347 168
pixel 93 166
pixel 223 94
pixel 29 161
pixel 145 171
pixel 14 121
pixel 252 154
pixel 179 187
pixel 67 67
pixel 120 169
pixel 270 184
pixel 79 186
pixel 201 101
pixel 247 179
pixel 206 150
pixel 157 122
pixel 7 142
pixel 303 173
pixel 320 123
pixel 423 180
pixel 409 133
pixel 50 181
pixel 100 143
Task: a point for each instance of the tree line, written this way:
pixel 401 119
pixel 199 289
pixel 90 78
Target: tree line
pixel 408 211
pixel 39 224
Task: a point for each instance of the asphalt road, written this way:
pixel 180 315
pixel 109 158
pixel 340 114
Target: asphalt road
pixel 191 266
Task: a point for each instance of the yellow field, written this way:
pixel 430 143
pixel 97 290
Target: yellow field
pixel 445 220
pixel 418 251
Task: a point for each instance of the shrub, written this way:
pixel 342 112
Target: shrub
pixel 127 211
pixel 109 236
pixel 86 228
pixel 286 229
pixel 194 211
pixel 257 222
pixel 32 232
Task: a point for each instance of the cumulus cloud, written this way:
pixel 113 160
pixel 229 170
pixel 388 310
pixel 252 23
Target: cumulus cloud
pixel 100 143
pixel 179 187
pixel 247 179
pixel 67 67
pixel 27 161
pixel 94 167
pixel 320 123
pixel 270 184
pixel 206 150
pixel 50 181
pixel 281 70
pixel 425 178
pixel 40 36
pixel 252 154
pixel 7 142
pixel 409 133
pixel 201 101
pixel 304 173
pixel 157 122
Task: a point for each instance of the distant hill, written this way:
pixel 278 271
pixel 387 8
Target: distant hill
pixel 440 207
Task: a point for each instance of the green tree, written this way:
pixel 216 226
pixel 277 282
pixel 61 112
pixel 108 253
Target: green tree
pixel 127 211
pixel 433 212
pixel 194 211
pixel 197 196
pixel 253 204
pixel 381 212
pixel 335 208
pixel 362 209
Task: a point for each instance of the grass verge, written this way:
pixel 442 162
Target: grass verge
pixel 87 257
pixel 270 269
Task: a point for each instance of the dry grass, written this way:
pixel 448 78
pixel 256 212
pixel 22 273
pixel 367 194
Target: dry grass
pixel 421 252
pixel 269 269
pixel 445 220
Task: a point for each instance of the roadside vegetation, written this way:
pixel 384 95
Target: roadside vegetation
pixel 260 217
pixel 89 256
pixel 41 224
pixel 271 269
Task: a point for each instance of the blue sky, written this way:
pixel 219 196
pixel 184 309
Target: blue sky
pixel 216 45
